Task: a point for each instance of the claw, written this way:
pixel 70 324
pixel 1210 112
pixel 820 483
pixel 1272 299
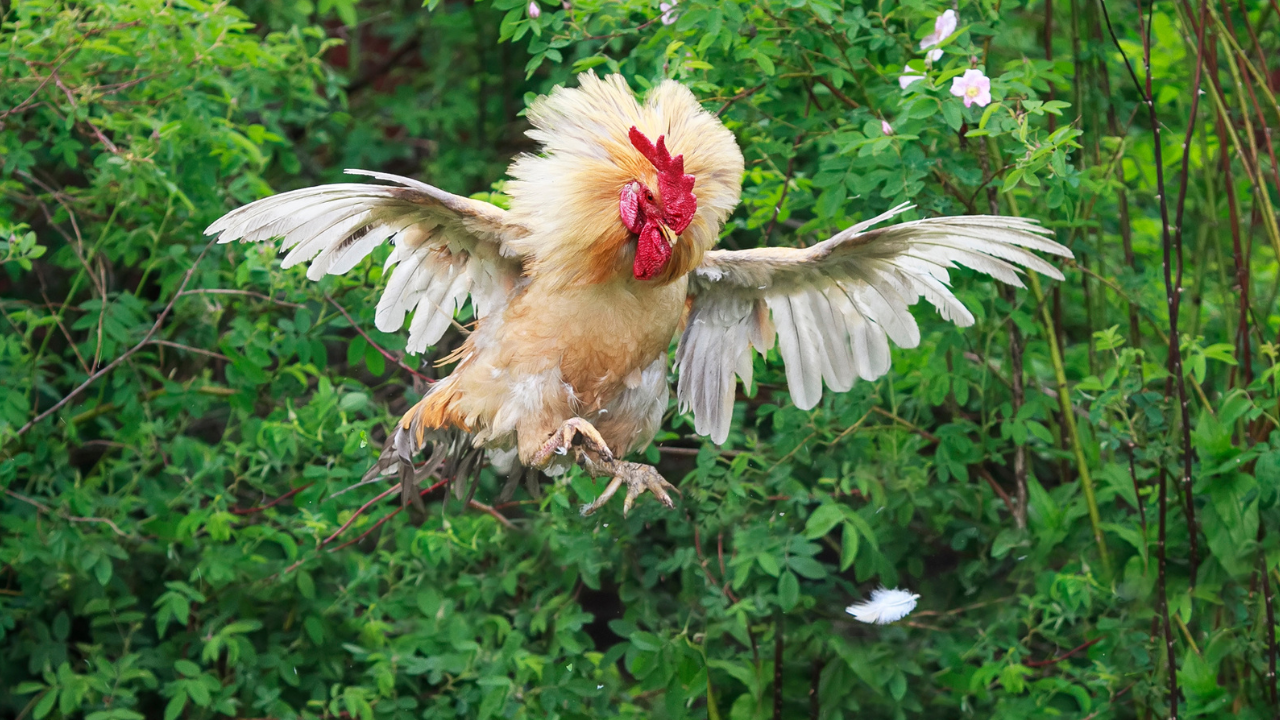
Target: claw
pixel 639 479
pixel 562 439
pixel 600 502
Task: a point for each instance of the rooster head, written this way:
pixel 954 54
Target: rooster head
pixel 657 220
pixel 610 197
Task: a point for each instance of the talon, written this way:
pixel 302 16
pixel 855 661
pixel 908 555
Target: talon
pixel 647 478
pixel 639 479
pixel 599 502
pixel 562 439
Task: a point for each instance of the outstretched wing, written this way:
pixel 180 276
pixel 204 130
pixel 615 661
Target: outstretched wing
pixel 834 306
pixel 446 246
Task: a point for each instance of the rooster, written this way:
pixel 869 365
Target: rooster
pixel 605 253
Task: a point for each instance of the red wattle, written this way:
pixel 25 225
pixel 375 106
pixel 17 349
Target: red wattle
pixel 652 253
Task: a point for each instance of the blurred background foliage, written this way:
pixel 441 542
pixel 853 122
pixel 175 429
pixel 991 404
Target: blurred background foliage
pixel 1084 513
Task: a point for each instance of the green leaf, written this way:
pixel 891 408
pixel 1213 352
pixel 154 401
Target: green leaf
pixel 807 567
pixel 175 706
pixel 45 705
pixel 769 564
pixel 374 360
pixel 646 641
pixel 951 113
pixel 306 586
pixel 849 546
pixel 822 520
pixel 788 591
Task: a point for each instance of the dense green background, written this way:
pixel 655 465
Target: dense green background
pixel 142 573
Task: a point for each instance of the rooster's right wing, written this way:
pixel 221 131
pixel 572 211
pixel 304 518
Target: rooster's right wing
pixel 834 306
pixel 446 246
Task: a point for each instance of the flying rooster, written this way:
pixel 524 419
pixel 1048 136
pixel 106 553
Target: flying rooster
pixel 605 252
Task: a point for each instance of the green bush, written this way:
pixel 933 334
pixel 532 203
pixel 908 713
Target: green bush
pixel 177 418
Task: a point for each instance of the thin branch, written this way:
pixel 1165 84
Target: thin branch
pixel 740 96
pixel 1004 496
pixel 273 503
pixel 913 428
pixel 188 348
pixel 128 353
pixel 836 92
pixel 376 525
pixel 492 511
pixel 777 665
pixel 250 293
pixel 1063 656
pixel 375 345
pixel 72 518
pixel 358 513
pixel 1173 290
pixel 721 584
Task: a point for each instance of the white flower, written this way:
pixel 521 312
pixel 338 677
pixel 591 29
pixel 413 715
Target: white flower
pixel 933 55
pixel 943 26
pixel 668 11
pixel 973 86
pixel 906 80
pixel 885 127
pixel 884 607
pixel 534 11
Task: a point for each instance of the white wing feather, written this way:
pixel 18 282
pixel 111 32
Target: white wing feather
pixel 836 305
pixel 884 606
pixel 447 247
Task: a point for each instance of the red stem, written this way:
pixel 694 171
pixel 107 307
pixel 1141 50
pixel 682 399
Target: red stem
pixel 273 503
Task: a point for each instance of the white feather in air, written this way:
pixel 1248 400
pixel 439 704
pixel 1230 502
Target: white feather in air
pixel 884 607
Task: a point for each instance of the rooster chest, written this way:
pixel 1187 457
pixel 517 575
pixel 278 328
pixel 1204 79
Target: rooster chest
pixel 601 337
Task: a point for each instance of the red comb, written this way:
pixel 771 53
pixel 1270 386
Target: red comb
pixel 678 201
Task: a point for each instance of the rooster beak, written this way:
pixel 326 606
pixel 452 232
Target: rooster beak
pixel 671 237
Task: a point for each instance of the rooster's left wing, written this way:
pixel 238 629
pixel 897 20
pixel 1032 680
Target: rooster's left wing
pixel 834 305
pixel 447 247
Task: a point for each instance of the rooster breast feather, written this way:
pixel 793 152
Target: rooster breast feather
pixel 447 247
pixel 833 307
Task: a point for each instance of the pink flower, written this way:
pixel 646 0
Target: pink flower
pixel 906 80
pixel 534 11
pixel 974 87
pixel 885 127
pixel 668 11
pixel 943 26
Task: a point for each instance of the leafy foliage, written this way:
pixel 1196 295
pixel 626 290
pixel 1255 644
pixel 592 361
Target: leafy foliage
pixel 178 419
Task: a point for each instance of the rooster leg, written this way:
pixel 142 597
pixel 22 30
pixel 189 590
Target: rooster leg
pixel 561 441
pixel 638 478
pixel 598 459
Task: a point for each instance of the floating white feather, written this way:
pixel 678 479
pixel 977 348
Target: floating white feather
pixel 884 607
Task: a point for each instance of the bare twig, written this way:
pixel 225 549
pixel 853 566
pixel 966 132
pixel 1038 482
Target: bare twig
pixel 908 425
pixel 777 665
pixel 740 96
pixel 250 293
pixel 188 348
pixel 375 345
pixel 127 354
pixel 492 511
pixel 273 503
pixel 1063 656
pixel 358 513
pixel 1004 496
pixel 722 585
pixel 72 518
pixel 836 92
